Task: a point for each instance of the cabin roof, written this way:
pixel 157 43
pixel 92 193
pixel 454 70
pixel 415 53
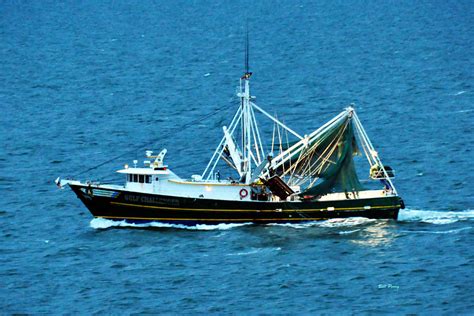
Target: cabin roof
pixel 148 171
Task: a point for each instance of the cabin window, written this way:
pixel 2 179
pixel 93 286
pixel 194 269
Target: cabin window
pixel 139 178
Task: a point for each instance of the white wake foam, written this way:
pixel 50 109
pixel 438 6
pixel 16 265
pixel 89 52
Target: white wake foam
pixel 407 215
pixel 102 223
pixel 330 223
pixel 347 222
pixel 435 217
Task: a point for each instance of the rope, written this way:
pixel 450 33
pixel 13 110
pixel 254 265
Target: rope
pixel 171 132
pixel 307 166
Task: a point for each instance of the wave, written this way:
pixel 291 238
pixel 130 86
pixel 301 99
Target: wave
pixel 254 251
pixel 435 217
pixel 102 223
pixel 347 232
pixel 451 231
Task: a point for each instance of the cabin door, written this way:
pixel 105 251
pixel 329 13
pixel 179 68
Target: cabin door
pixel 156 183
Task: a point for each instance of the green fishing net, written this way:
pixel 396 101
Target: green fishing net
pixel 330 159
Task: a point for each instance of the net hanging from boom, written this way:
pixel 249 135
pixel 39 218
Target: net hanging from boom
pixel 327 164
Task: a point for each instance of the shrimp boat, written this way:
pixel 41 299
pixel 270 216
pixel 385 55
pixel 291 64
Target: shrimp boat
pixel 311 178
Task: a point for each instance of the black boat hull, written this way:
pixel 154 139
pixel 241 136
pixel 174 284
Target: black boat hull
pixel 135 207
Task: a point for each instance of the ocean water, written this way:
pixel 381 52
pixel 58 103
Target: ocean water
pixel 85 82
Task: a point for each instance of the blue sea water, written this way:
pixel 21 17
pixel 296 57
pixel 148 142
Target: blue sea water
pixel 83 82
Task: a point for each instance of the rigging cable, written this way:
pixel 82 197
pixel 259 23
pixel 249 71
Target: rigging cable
pixel 171 132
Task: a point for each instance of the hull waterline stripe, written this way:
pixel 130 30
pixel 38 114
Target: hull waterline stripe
pixel 216 219
pixel 261 211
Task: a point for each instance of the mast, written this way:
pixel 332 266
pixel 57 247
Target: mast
pixel 244 157
pixel 246 121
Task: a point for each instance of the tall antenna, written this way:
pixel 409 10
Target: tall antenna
pixel 247 48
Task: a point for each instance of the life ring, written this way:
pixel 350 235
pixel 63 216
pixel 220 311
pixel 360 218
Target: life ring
pixel 243 193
